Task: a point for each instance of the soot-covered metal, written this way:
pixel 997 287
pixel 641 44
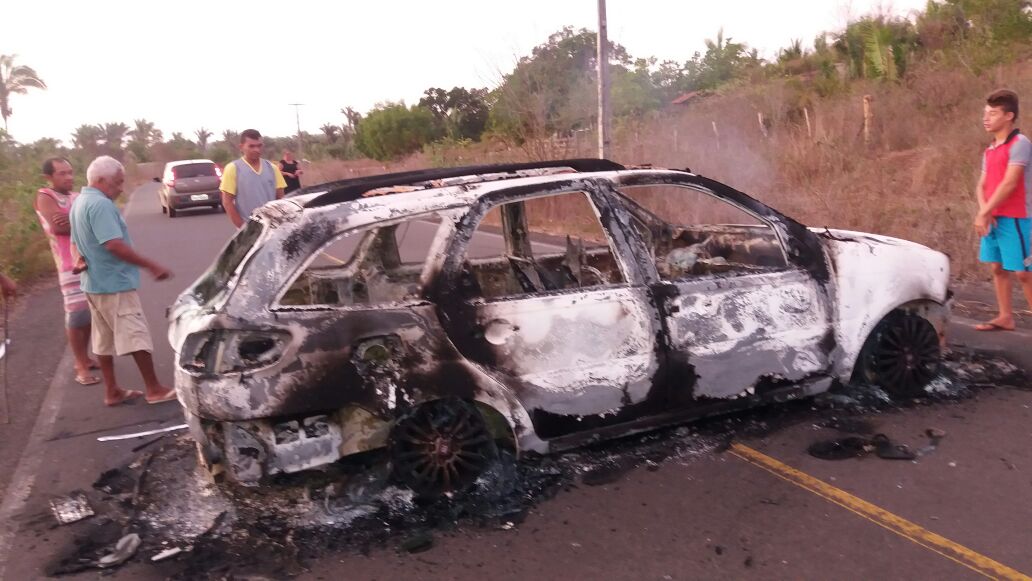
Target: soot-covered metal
pixel 292 353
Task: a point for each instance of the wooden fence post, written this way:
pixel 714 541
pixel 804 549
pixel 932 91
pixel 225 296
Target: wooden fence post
pixel 868 118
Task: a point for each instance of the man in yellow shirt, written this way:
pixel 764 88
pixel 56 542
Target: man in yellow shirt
pixel 250 182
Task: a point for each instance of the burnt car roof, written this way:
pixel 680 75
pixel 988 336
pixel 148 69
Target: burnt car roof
pixel 353 189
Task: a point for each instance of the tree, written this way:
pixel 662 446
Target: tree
pixel 460 113
pixel 331 132
pixel 15 80
pixel 87 138
pixel 231 138
pixel 392 130
pixel 202 138
pixel 722 62
pixel 552 90
pixel 145 133
pixel 113 137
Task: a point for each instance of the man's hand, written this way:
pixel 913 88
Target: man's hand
pixel 159 272
pixel 984 223
pixel 80 266
pixel 9 288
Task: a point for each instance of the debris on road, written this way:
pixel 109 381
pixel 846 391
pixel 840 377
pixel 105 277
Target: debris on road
pixel 882 446
pixel 141 434
pixel 72 508
pixel 123 550
pixel 166 554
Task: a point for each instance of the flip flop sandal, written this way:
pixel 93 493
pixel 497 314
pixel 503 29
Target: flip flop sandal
pixel 991 327
pixel 88 380
pixel 885 449
pixel 170 397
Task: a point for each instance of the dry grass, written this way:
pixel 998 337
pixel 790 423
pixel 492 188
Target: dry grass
pixel 914 180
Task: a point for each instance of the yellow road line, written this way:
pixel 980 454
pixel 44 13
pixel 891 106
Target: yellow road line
pixel 955 552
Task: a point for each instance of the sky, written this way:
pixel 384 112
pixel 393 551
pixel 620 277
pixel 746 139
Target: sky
pixel 233 65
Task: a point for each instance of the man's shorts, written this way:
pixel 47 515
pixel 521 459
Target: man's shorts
pixel 119 327
pixel 1008 243
pixel 77 319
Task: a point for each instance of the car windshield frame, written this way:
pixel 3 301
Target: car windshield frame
pixel 214 283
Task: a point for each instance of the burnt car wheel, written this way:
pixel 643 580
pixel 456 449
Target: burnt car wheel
pixel 902 355
pixel 441 446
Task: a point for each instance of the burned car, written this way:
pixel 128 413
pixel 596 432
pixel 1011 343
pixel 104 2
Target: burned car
pixel 438 315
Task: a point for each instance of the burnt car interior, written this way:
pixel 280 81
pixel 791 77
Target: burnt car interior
pixel 691 233
pixel 363 268
pixel 534 259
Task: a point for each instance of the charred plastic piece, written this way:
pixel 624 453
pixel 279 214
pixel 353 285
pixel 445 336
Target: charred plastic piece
pixel 442 446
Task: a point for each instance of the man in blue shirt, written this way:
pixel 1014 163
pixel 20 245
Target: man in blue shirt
pixel 110 281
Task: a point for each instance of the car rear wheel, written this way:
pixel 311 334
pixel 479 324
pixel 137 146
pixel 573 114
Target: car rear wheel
pixel 172 212
pixel 902 355
pixel 441 446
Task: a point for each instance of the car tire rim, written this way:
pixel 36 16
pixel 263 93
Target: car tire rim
pixel 441 447
pixel 907 354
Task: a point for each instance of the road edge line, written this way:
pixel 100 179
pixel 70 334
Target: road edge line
pixel 911 531
pixel 24 478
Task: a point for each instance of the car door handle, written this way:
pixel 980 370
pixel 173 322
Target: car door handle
pixel 499 331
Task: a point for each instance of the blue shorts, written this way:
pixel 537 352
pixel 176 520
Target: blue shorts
pixel 1009 243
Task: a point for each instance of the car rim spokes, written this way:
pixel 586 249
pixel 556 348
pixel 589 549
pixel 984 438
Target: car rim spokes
pixel 442 447
pixel 907 354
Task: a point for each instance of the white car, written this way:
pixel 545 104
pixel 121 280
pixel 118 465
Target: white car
pixel 441 313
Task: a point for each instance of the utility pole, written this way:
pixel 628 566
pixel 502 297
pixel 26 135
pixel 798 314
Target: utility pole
pixel 297 117
pixel 603 83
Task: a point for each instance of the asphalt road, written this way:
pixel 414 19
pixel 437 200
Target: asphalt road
pixel 713 515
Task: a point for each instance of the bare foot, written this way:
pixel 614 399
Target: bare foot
pixel 168 395
pixel 123 396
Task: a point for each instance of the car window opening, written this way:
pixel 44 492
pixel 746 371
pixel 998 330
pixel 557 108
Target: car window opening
pixel 692 234
pixel 521 248
pixel 368 267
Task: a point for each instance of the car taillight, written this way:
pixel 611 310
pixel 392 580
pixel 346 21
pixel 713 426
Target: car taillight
pixel 218 171
pixel 225 351
pixel 170 181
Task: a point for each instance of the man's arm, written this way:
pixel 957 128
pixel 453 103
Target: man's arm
pixel 978 191
pixel 125 253
pixel 55 218
pixel 1005 189
pixel 281 184
pixel 229 204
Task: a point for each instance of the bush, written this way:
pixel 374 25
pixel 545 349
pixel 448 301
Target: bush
pixel 393 130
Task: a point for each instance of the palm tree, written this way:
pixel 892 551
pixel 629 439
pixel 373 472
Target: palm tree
pixel 15 79
pixel 113 136
pixel 145 133
pixel 353 117
pixel 202 138
pixel 330 130
pixel 87 138
pixel 230 137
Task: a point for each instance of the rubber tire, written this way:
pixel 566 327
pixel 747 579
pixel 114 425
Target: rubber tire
pixel 923 338
pixel 172 212
pixel 164 210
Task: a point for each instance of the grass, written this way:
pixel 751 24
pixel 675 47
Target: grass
pixel 914 180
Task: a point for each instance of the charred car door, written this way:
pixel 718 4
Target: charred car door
pixel 557 310
pixel 743 304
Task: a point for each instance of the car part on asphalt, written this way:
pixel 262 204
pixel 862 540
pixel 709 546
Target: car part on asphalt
pixel 123 550
pixel 71 508
pixel 841 448
pixel 175 428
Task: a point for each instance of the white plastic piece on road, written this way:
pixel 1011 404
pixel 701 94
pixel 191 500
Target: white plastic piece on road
pixel 124 550
pixel 166 554
pixel 141 434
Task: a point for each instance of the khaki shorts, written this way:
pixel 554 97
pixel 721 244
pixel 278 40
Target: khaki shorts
pixel 119 327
